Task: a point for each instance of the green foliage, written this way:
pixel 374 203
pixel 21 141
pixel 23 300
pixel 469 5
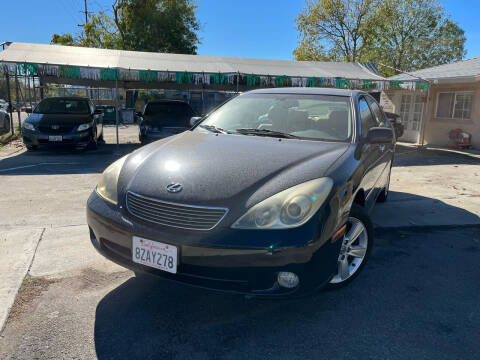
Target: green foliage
pixel 403 34
pixel 141 25
pixel 334 29
pixel 415 34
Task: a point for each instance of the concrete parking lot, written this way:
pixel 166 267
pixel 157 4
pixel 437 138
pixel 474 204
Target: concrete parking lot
pixel 418 296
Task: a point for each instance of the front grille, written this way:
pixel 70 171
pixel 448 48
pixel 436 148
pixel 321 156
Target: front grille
pixel 174 215
pixel 61 129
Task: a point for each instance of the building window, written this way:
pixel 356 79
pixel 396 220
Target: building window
pixel 454 105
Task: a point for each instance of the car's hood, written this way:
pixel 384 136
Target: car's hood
pixel 59 119
pixel 221 170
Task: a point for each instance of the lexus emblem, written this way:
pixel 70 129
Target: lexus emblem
pixel 55 127
pixel 174 187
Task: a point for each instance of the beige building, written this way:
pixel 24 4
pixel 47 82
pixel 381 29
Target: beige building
pixel 452 101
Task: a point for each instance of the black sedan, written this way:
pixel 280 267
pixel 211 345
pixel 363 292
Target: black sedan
pixel 162 118
pixel 71 121
pixel 396 121
pixel 268 195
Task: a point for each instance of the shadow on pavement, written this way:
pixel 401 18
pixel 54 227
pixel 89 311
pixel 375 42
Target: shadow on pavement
pixel 408 156
pixel 406 210
pixel 47 161
pixel 415 299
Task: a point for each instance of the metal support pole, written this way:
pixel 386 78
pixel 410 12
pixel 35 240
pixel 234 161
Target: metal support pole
pixel 42 91
pixel 10 107
pixel 425 117
pixel 17 98
pixel 29 93
pixel 116 111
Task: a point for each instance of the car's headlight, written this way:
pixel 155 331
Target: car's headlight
pixel 28 126
pixel 287 209
pixel 83 127
pixel 107 186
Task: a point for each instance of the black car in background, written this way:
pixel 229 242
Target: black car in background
pixel 162 118
pixel 71 121
pixel 396 121
pixel 268 195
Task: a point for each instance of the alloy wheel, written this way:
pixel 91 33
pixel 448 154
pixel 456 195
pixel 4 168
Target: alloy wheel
pixel 353 250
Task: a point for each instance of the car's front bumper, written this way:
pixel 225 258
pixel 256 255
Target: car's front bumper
pixel 207 261
pixel 74 138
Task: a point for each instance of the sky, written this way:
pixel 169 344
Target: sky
pixel 247 28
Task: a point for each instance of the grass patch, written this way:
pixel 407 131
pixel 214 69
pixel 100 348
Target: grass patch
pixel 6 138
pixel 31 288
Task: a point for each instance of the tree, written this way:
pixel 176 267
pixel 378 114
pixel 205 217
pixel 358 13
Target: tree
pixel 334 29
pixel 403 34
pixel 157 25
pixel 142 25
pixel 415 34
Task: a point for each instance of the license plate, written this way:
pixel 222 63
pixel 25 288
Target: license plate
pixel 55 138
pixel 154 254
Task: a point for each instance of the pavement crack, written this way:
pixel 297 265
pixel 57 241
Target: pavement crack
pixel 35 251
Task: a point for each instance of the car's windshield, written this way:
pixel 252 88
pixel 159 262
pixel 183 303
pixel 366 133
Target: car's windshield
pixel 169 113
pixel 317 117
pixel 62 106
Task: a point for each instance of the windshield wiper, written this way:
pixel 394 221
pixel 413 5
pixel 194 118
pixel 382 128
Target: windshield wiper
pixel 214 129
pixel 266 132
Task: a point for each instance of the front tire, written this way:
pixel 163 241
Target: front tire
pixel 357 244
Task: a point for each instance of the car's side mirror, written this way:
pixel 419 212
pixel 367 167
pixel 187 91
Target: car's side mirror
pixel 139 114
pixel 98 112
pixel 194 120
pixel 379 135
pixel 28 110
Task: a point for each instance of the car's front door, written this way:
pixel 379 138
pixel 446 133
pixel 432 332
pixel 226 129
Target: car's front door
pixel 386 150
pixel 371 154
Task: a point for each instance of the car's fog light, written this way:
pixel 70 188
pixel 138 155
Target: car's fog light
pixel 288 279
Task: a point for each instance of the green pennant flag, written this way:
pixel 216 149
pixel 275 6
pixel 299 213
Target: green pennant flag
pixel 314 82
pixel 184 77
pixel 27 69
pixel 395 84
pixel 218 79
pixel 109 74
pixel 147 76
pixel 367 84
pixel 343 84
pixel 70 72
pixel 283 81
pixel 253 80
pixel 422 86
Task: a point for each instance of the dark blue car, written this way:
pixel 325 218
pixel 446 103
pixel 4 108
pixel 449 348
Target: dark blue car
pixel 269 195
pixel 162 118
pixel 63 121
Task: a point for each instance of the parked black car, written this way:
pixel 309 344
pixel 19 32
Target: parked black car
pixel 396 121
pixel 268 195
pixel 162 118
pixel 71 121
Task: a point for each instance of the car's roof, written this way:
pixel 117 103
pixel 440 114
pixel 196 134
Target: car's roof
pixel 66 98
pixel 167 101
pixel 307 91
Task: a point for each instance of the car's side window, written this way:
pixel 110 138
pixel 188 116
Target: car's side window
pixel 377 112
pixel 366 116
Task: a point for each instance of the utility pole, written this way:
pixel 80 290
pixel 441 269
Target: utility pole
pixel 85 11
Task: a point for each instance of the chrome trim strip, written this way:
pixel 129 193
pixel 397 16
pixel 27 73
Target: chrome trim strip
pixel 185 206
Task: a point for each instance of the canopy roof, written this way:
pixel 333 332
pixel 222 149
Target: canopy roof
pixel 460 71
pixel 103 58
